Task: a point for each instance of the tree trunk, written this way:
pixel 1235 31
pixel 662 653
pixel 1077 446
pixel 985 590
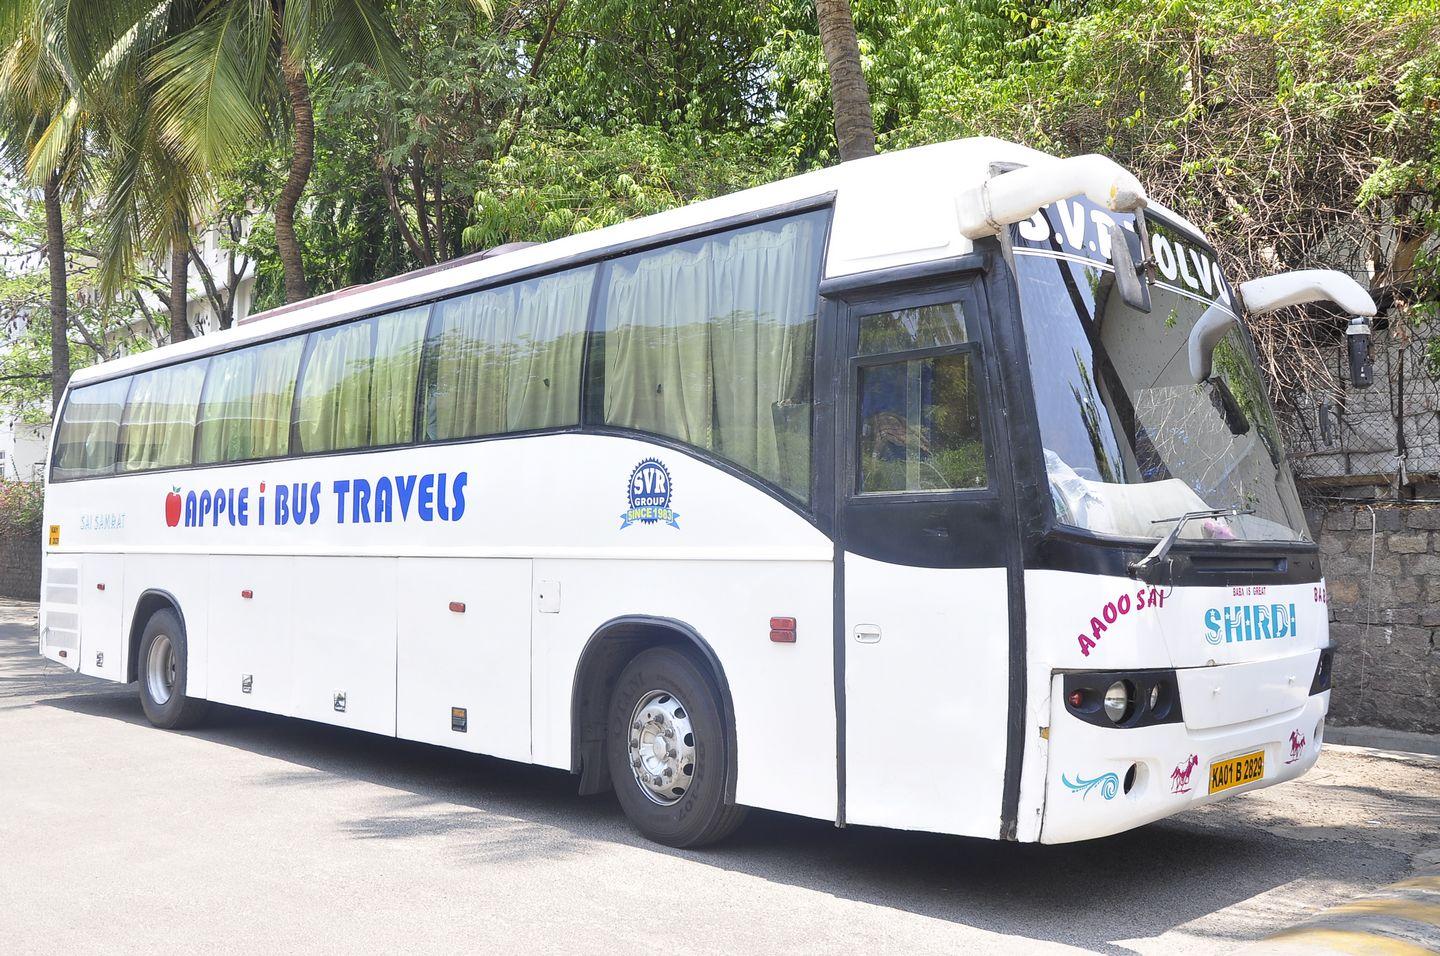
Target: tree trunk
pixel 59 307
pixel 180 277
pixel 850 97
pixel 303 158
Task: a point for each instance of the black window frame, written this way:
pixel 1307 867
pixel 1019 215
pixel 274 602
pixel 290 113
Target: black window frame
pixel 129 379
pixel 811 509
pixel 593 389
pixel 431 339
pixel 121 442
pixel 964 289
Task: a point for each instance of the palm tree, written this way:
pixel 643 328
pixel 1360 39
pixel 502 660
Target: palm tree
pixel 149 192
pixel 243 61
pixel 33 91
pixel 849 95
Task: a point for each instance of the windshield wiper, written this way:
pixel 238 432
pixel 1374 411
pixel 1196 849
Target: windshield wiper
pixel 1147 567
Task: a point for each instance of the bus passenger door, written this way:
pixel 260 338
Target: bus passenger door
pixel 927 535
pixel 463 660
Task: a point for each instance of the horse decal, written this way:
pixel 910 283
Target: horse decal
pixel 1180 776
pixel 1297 745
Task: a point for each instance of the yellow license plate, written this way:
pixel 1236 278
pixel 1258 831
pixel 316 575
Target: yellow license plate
pixel 1237 771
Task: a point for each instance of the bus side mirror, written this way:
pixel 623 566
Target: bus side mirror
pixel 1129 279
pixel 1357 340
pixel 1207 334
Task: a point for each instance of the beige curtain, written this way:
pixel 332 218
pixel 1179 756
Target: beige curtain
pixel 712 342
pixel 508 359
pixel 398 339
pixel 89 428
pixel 246 409
pixel 334 392
pixel 354 390
pixel 159 428
pixel 543 387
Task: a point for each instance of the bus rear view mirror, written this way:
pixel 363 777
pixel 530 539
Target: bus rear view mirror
pixel 1134 289
pixel 1206 334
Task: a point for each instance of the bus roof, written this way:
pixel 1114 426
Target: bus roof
pixel 889 210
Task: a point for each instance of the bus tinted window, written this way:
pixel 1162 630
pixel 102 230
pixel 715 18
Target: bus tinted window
pixel 921 327
pixel 920 426
pixel 89 428
pixel 357 386
pixel 712 342
pixel 245 412
pixel 508 359
pixel 159 424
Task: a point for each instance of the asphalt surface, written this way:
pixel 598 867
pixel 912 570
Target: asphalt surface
pixel 258 833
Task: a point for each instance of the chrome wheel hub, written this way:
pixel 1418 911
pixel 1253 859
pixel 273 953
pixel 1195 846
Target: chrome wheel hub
pixel 160 669
pixel 662 747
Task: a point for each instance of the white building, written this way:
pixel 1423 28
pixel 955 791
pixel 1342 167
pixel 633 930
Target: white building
pixel 23 450
pixel 226 267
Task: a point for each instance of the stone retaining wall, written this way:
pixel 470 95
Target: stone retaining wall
pixel 20 565
pixel 1384 613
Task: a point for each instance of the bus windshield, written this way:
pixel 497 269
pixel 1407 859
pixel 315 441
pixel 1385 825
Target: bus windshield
pixel 1131 441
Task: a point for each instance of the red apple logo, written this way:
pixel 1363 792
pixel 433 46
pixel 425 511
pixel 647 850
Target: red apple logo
pixel 172 508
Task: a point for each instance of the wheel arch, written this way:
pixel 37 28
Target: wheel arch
pixel 150 601
pixel 613 645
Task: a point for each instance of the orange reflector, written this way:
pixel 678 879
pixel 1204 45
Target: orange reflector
pixel 458 607
pixel 782 630
pixel 247 594
pixel 1076 698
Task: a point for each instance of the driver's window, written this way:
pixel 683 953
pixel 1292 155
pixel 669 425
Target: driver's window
pixel 919 417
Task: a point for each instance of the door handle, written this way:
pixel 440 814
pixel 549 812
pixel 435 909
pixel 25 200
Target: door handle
pixel 867 633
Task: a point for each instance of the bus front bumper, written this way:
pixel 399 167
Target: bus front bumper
pixel 1104 780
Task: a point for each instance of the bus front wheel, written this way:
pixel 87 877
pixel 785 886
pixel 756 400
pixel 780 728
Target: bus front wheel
pixel 667 750
pixel 164 674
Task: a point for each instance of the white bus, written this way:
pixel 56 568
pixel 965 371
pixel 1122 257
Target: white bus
pixel 878 495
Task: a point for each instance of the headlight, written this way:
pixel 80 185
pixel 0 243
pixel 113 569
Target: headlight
pixel 1117 701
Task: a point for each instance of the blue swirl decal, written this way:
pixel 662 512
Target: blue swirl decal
pixel 649 495
pixel 1108 783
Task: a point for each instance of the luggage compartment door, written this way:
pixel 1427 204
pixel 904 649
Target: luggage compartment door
pixel 464 654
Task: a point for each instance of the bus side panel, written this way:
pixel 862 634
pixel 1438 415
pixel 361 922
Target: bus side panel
pixel 251 637
pixel 463 659
pixel 102 594
pixel 784 694
pixel 344 649
pixel 926 698
pixel 185 578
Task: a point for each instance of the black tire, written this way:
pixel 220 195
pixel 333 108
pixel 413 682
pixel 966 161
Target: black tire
pixel 701 815
pixel 176 711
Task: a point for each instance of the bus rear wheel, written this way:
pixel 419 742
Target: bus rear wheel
pixel 164 674
pixel 668 752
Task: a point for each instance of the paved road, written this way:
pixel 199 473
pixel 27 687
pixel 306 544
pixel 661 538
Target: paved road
pixel 259 833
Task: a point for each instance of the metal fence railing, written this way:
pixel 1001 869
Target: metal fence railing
pixel 1386 434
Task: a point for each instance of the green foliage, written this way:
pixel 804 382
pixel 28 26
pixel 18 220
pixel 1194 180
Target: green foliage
pixel 22 506
pixel 101 327
pixel 572 182
pixel 1290 130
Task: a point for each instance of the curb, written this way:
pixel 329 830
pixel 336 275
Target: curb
pixel 1399 919
pixel 1378 738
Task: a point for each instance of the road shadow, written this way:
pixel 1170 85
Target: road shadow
pixel 1130 886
